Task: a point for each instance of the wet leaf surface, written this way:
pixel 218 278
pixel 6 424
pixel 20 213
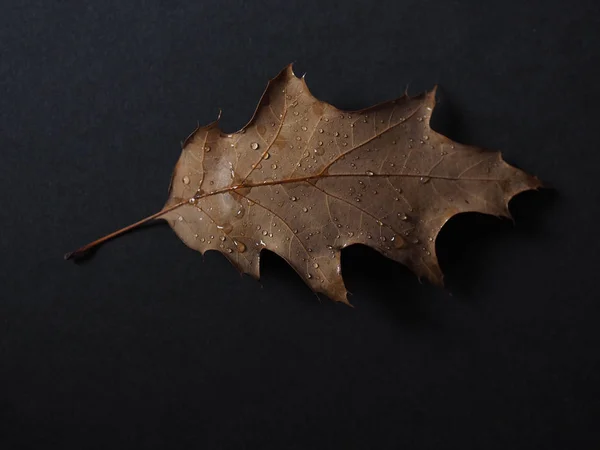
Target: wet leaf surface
pixel 304 180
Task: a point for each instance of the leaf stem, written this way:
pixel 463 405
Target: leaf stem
pixel 82 250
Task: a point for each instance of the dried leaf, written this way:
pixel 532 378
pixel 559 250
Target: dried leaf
pixel 305 179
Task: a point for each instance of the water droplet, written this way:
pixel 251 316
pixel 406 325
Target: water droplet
pixel 241 247
pixel 254 146
pixel 316 265
pixel 369 173
pixel 424 180
pixel 265 232
pixel 192 200
pixel 186 180
pixel 207 148
pixel 227 228
pixel 304 128
pixel 402 216
pixel 398 241
pixel 357 199
pixel 273 166
pixel 223 238
pixel 180 218
pixel 240 212
pixel 382 239
pixel 267 156
pixel 293 199
pixel 319 151
pixel 320 143
pixel 305 209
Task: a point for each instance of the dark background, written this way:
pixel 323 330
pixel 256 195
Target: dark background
pixel 149 345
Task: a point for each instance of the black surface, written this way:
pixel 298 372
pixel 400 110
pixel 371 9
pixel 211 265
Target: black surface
pixel 148 345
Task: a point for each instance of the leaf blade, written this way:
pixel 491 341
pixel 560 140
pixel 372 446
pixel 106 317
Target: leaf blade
pixel 305 180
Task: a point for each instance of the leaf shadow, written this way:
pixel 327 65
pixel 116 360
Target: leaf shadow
pixel 391 286
pixel 466 240
pixel 374 283
pixel 378 283
pixel 277 274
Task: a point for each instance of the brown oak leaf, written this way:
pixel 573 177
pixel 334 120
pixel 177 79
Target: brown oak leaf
pixel 304 180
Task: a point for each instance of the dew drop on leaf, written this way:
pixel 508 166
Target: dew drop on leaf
pixel 240 246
